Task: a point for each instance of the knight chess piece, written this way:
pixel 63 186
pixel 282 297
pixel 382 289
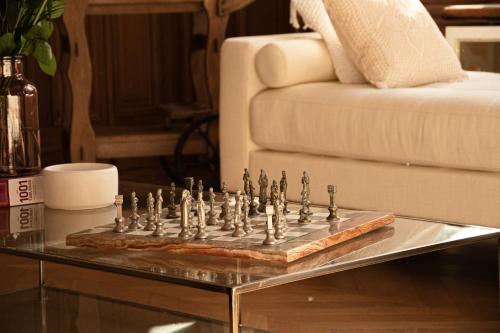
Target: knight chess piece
pixel 269 240
pixel 263 183
pixel 212 219
pixel 134 217
pixel 223 211
pixel 119 220
pixel 251 197
pixel 200 208
pixel 332 208
pixel 284 190
pixel 238 226
pixel 172 213
pixel 150 219
pixel 246 182
pixel 247 224
pixel 185 215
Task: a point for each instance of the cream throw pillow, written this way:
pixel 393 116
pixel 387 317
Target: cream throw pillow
pixel 394 43
pixel 314 15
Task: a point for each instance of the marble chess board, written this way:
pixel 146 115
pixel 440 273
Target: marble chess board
pixel 301 239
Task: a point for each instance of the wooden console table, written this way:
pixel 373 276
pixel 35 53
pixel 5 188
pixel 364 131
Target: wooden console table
pixel 210 21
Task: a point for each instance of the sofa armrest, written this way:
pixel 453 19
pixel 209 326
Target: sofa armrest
pixel 239 84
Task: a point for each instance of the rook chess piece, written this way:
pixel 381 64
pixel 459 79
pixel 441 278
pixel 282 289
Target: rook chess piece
pixel 185 215
pixel 212 220
pixel 200 207
pixel 150 219
pixel 332 208
pixel 228 221
pixel 171 213
pixel 238 227
pixel 251 197
pixel 263 183
pixel 223 211
pixel 247 224
pixel 284 190
pixel 134 217
pixel 119 220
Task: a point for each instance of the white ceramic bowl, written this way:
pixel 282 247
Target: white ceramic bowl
pixel 78 186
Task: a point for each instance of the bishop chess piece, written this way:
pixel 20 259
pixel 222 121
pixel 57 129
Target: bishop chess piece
pixel 270 240
pixel 246 182
pixel 212 219
pixel 247 224
pixel 238 226
pixel 223 211
pixel 119 220
pixel 263 183
pixel 159 232
pixel 159 202
pixel 251 197
pixel 228 221
pixel 200 208
pixel 185 233
pixel 172 213
pixel 150 219
pixel 134 217
pixel 332 208
pixel 284 190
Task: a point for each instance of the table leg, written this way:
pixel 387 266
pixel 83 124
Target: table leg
pixel 234 312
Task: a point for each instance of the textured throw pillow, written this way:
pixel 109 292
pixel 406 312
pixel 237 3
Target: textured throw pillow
pixel 315 17
pixel 394 43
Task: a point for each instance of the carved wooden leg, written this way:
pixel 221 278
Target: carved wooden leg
pixel 82 135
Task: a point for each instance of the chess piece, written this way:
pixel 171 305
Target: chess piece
pixel 284 190
pixel 283 221
pixel 159 232
pixel 247 224
pixel 253 205
pixel 274 192
pixel 263 182
pixel 332 208
pixel 238 226
pixel 277 220
pixel 150 219
pixel 228 221
pixel 119 220
pixel 246 182
pixel 223 211
pixel 200 207
pixel 212 220
pixel 159 202
pixel 189 183
pixel 171 213
pixel 200 187
pixel 185 215
pixel 305 211
pixel 270 240
pixel 134 217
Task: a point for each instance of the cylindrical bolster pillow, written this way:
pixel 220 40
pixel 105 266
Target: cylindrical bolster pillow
pixel 292 61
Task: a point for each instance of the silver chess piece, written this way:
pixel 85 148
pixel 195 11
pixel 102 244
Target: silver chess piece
pixel 284 190
pixel 283 221
pixel 251 197
pixel 228 221
pixel 189 183
pixel 185 215
pixel 277 220
pixel 134 217
pixel 159 232
pixel 200 208
pixel 270 240
pixel 212 219
pixel 150 219
pixel 305 212
pixel 223 211
pixel 246 182
pixel 238 226
pixel 263 183
pixel 159 201
pixel 172 213
pixel 274 192
pixel 247 224
pixel 332 208
pixel 119 220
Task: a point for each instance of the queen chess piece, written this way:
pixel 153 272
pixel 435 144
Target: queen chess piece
pixel 263 183
pixel 332 208
pixel 172 210
pixel 119 220
pixel 247 224
pixel 212 216
pixel 200 208
pixel 134 217
pixel 251 197
pixel 150 219
pixel 185 233
pixel 284 190
pixel 238 226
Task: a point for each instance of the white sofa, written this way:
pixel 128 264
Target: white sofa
pixel 431 151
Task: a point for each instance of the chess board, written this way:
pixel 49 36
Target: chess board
pixel 301 239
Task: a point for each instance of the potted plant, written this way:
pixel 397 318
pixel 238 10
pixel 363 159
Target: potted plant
pixel 25 29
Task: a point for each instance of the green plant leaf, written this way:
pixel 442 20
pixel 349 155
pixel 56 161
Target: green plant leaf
pixel 45 57
pixel 55 9
pixel 42 30
pixel 7 44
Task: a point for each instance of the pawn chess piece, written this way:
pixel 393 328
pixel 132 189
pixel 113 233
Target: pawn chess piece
pixel 212 220
pixel 159 201
pixel 277 220
pixel 251 197
pixel 270 240
pixel 189 183
pixel 284 190
pixel 159 232
pixel 223 211
pixel 263 183
pixel 228 221
pixel 247 224
pixel 246 182
pixel 185 233
pixel 238 226
pixel 283 221
pixel 150 219
pixel 134 217
pixel 332 208
pixel 200 208
pixel 172 213
pixel 119 220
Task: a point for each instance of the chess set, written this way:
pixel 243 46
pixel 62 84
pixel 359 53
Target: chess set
pixel 238 225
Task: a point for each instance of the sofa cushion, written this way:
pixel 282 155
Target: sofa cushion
pixel 453 125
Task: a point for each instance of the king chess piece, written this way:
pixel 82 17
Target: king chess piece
pixel 228 221
pixel 284 190
pixel 200 208
pixel 150 219
pixel 172 213
pixel 223 211
pixel 134 217
pixel 332 208
pixel 263 183
pixel 251 197
pixel 238 226
pixel 247 224
pixel 119 220
pixel 185 233
pixel 212 217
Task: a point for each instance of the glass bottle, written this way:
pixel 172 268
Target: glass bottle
pixel 19 129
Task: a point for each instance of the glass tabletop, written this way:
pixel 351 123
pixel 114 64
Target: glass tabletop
pixel 39 232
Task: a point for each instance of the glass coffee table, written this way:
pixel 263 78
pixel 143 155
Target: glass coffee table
pixel 45 242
